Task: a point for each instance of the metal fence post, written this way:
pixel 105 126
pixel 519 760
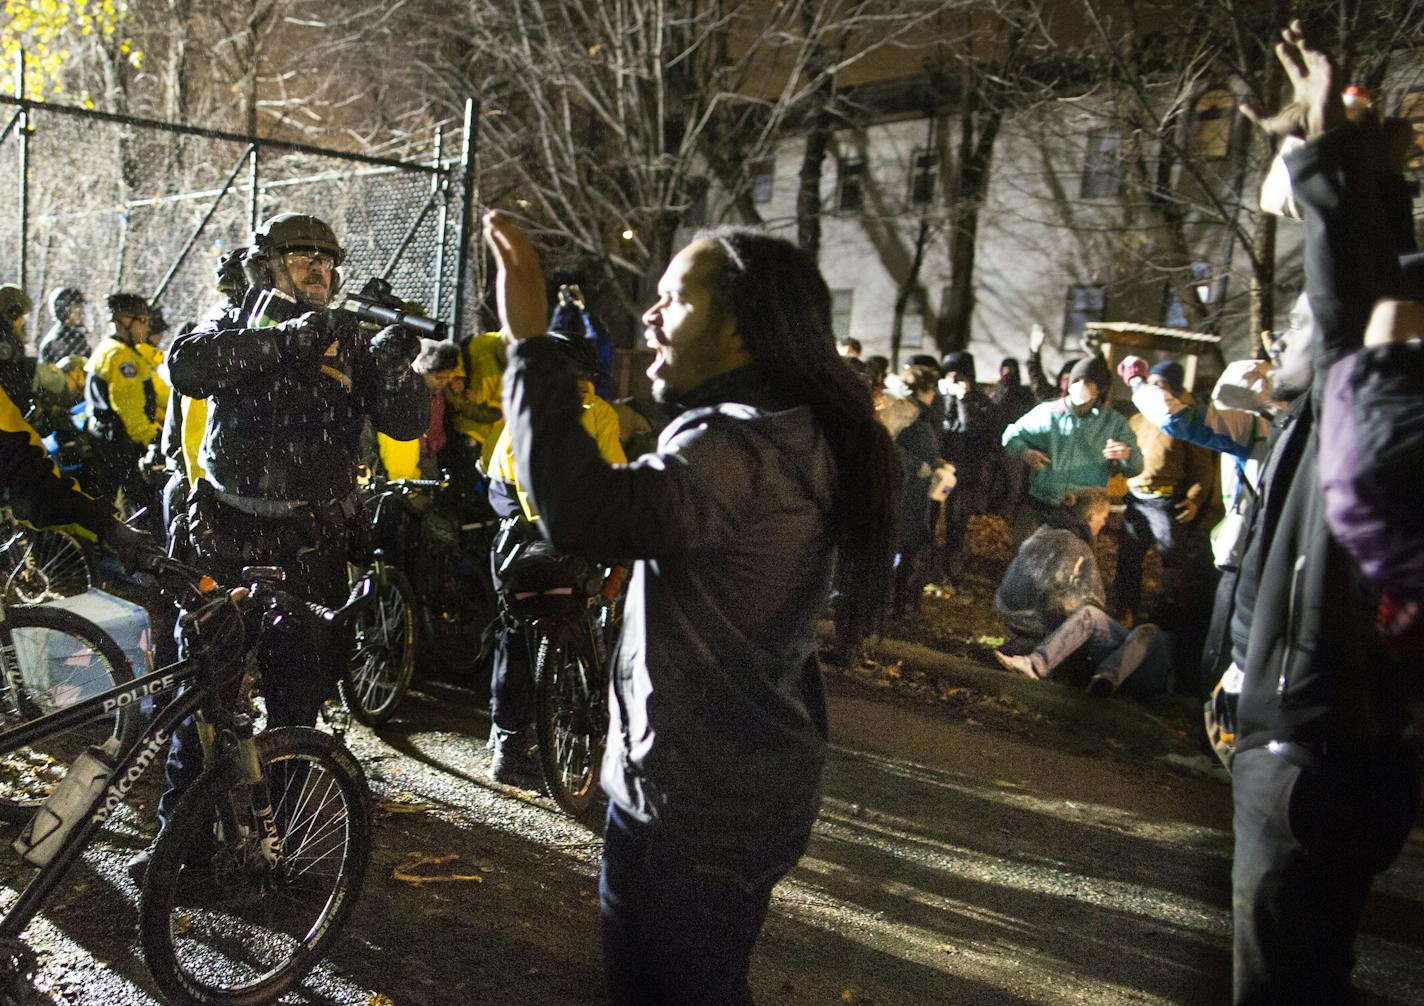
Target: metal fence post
pixel 254 207
pixel 467 196
pixel 442 221
pixel 193 238
pixel 24 129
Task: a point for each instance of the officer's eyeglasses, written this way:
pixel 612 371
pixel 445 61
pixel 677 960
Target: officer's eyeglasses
pixel 311 258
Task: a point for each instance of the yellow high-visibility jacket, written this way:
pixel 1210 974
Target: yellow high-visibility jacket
pixel 601 422
pixel 154 356
pixel 39 495
pixel 120 393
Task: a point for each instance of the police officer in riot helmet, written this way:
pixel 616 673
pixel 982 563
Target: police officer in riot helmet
pixel 121 400
pixel 68 335
pixel 289 386
pixel 16 370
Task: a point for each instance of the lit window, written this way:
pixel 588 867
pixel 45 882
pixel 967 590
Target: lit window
pixel 1215 115
pixel 1411 107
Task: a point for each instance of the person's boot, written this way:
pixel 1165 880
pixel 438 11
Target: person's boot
pixel 513 762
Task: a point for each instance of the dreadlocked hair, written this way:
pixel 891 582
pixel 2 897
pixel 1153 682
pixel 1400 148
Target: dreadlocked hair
pixel 782 309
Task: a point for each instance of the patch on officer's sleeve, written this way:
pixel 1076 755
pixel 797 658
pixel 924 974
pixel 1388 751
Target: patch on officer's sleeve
pixel 129 369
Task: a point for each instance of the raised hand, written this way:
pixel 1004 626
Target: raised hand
pixel 1316 105
pixel 519 283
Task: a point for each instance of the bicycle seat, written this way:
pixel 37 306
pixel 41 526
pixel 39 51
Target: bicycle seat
pixel 264 574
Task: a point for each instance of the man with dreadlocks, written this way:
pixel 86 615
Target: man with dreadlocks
pixel 773 470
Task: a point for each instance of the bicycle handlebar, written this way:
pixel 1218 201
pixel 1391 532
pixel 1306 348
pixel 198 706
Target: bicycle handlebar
pixel 263 590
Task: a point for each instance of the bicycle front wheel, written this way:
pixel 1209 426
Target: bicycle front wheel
pixel 54 659
pixel 376 677
pixel 228 915
pixel 571 712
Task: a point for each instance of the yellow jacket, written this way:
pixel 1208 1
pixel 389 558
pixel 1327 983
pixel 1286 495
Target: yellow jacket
pixel 120 392
pixel 401 458
pixel 484 386
pixel 195 424
pixel 601 422
pixel 154 356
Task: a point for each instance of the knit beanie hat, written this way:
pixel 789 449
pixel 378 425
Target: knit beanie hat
pixel 1171 371
pixel 959 363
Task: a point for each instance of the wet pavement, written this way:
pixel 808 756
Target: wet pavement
pixel 956 861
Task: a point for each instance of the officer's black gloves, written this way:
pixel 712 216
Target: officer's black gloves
pixel 393 349
pixel 303 335
pixel 134 548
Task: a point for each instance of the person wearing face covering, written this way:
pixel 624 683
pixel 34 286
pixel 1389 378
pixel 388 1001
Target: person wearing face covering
pixel 1074 442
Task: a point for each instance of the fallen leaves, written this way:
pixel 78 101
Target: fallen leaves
pixel 406 874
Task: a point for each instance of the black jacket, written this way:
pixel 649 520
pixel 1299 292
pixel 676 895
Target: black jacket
pixel 285 425
pixel 719 721
pixel 32 486
pixel 1316 670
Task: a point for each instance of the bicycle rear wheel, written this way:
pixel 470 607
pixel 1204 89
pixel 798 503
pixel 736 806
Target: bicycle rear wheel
pixel 376 677
pixel 53 659
pixel 220 921
pixel 42 565
pixel 571 713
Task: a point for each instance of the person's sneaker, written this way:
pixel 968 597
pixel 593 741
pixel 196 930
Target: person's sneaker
pixel 1101 686
pixel 137 866
pixel 513 764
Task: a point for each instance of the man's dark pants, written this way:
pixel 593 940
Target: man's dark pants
pixel 1145 522
pixel 1310 835
pixel 296 679
pixel 680 920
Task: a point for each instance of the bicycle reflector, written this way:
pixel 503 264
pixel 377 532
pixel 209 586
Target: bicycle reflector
pixel 206 585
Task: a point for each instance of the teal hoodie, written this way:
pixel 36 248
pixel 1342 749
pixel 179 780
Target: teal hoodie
pixel 1075 445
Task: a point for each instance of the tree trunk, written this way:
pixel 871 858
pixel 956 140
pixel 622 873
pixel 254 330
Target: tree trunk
pixel 1263 278
pixel 968 189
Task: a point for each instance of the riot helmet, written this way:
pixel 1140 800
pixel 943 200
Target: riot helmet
pixel 62 300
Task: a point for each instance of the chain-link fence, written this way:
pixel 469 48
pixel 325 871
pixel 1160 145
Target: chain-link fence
pixel 140 207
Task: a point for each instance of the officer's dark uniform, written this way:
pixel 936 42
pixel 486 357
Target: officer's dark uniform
pixel 280 457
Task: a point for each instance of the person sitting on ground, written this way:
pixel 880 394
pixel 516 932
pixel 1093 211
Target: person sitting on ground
pixel 1054 592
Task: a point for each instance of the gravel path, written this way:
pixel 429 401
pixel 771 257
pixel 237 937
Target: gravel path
pixel 954 862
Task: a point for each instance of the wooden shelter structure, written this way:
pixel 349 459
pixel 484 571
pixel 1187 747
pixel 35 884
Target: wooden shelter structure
pixel 1155 338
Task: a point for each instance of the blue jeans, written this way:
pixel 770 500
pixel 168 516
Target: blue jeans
pixel 680 920
pixel 1137 666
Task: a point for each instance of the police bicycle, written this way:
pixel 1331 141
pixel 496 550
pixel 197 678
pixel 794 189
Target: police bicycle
pixel 569 610
pixel 263 860
pixel 429 571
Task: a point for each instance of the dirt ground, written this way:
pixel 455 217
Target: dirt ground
pixel 983 839
pixel 958 858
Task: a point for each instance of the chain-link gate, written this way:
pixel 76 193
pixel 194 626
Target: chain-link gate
pixel 121 203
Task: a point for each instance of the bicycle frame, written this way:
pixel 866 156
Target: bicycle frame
pixel 132 763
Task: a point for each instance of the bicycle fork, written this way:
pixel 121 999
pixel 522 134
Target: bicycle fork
pixel 248 813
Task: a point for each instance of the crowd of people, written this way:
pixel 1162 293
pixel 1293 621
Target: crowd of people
pixel 776 466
